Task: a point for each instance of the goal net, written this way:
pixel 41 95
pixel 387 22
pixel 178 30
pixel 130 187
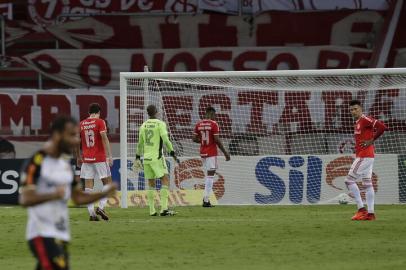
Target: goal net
pixel 290 133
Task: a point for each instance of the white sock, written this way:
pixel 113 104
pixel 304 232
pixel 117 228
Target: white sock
pixel 353 187
pixel 90 206
pixel 370 196
pixel 103 201
pixel 208 186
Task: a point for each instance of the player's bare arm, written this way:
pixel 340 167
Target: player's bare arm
pixel 78 156
pixel 30 197
pixel 221 146
pixel 107 149
pixel 79 197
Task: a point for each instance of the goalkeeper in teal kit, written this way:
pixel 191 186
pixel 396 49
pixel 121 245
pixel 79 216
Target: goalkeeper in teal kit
pixel 153 135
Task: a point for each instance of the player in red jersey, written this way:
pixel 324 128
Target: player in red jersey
pixel 366 131
pixel 206 133
pixel 96 157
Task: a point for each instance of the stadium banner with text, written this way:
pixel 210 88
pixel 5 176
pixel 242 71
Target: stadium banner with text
pixel 101 68
pixel 25 116
pixel 53 11
pixel 266 180
pixel 6 9
pixel 256 6
pixel 346 28
pixel 400 58
pixel 57 11
pixel 9 180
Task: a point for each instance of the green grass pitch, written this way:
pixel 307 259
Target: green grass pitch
pixel 225 237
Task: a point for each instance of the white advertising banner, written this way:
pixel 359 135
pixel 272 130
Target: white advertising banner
pixel 263 180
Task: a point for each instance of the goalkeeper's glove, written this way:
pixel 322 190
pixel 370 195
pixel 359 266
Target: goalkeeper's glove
pixel 172 154
pixel 137 164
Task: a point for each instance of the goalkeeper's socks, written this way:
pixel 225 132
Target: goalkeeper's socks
pixel 370 196
pixel 151 204
pixel 164 197
pixel 353 187
pixel 103 201
pixel 208 187
pixel 90 206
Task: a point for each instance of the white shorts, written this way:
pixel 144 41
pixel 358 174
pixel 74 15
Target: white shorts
pixel 361 169
pixel 98 170
pixel 209 163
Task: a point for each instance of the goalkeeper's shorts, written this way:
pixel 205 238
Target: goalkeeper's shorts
pixel 155 169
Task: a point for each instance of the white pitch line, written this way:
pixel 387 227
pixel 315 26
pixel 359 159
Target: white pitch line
pixel 184 220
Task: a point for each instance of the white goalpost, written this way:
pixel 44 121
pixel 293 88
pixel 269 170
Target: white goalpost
pixel 290 133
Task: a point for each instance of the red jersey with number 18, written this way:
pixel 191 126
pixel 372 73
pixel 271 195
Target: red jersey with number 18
pixel 92 145
pixel 205 130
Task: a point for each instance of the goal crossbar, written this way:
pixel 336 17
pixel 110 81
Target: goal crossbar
pixel 263 73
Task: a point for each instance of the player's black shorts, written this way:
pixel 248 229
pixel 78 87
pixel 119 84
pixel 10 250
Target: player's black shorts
pixel 50 253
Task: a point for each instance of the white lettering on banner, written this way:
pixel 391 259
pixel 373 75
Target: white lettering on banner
pixel 9 178
pixel 101 68
pixel 206 30
pixel 255 6
pixel 355 37
pixel 6 10
pixel 239 111
pixel 225 6
pixel 126 4
pixel 148 40
pixel 98 29
pixel 96 3
pixel 46 12
pixel 341 4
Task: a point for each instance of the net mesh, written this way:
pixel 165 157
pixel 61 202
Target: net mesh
pixel 291 138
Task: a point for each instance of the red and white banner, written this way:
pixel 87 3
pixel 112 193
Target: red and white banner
pixel 29 113
pixel 224 6
pixel 347 28
pixel 101 68
pixel 256 6
pixel 6 10
pixel 400 60
pixel 18 30
pixel 275 121
pixel 56 11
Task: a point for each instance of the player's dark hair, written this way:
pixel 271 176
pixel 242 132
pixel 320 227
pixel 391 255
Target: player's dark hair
pixel 210 109
pixel 151 110
pixel 6 146
pixel 355 102
pixel 60 122
pixel 94 108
